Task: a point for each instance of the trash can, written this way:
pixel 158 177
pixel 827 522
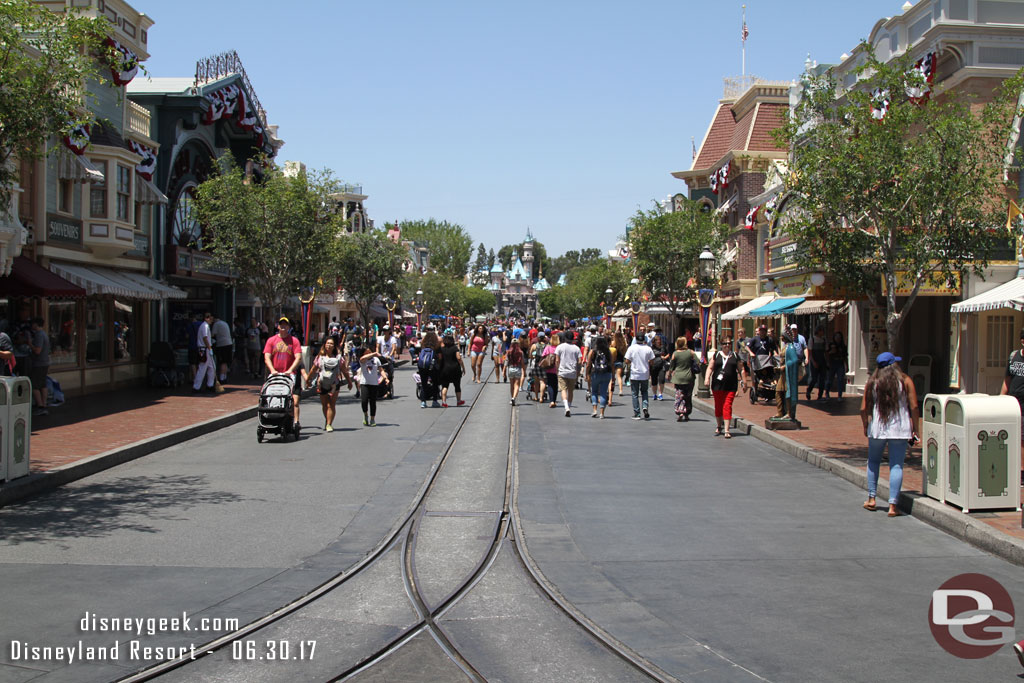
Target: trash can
pixel 920 370
pixel 933 446
pixel 982 452
pixel 17 407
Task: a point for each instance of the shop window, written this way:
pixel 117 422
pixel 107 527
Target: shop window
pixel 66 196
pixel 1000 340
pixel 63 331
pixel 98 193
pixel 96 331
pixel 126 326
pixel 124 193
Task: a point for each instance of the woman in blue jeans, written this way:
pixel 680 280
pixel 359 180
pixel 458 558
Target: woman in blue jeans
pixel 889 413
pixel 599 368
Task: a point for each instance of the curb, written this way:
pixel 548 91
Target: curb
pixel 38 482
pixel 950 520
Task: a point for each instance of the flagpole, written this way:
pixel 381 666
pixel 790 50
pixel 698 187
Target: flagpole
pixel 743 32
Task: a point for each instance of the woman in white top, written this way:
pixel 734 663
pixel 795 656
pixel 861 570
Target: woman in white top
pixel 371 374
pixel 328 369
pixel 889 413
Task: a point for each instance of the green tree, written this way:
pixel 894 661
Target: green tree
pixel 490 259
pixel 278 235
pixel 480 267
pixel 477 301
pixel 665 249
pixel 44 57
pixel 369 267
pixel 436 287
pixel 448 245
pixel 569 261
pixel 906 200
pixel 584 290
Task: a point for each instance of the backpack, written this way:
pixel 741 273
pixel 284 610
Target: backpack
pixel 426 359
pixel 329 367
pixel 601 364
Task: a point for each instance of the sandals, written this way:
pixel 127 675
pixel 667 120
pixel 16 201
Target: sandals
pixel 868 505
pixel 894 513
pixel 727 435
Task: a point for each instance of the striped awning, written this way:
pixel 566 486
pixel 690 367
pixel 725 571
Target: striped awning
pixel 816 306
pixel 777 307
pixel 99 281
pixel 147 193
pixel 1007 295
pixel 743 310
pixel 71 166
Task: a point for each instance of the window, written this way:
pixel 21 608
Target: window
pixel 63 332
pixel 124 193
pixel 98 193
pixel 126 325
pixel 66 196
pixel 999 333
pixel 95 331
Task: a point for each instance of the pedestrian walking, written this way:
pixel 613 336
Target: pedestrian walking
pixel 723 376
pixel 819 364
pixel 599 367
pixel 683 368
pixel 429 367
pixel 569 357
pixel 223 346
pixel 328 369
pixel 253 346
pixel 477 348
pixel 204 352
pixel 1013 385
pixel 657 367
pixel 452 370
pixel 40 345
pixel 516 359
pixel 538 377
pixel 371 376
pixel 638 361
pixel 618 347
pixel 837 367
pixel 496 350
pixel 889 413
pixel 550 366
pixel 283 355
pixel 7 362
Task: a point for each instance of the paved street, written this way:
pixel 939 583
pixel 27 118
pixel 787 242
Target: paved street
pixel 712 560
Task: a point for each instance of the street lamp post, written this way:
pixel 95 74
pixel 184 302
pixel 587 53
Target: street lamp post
pixel 418 305
pixel 609 307
pixel 708 266
pixel 391 303
pixel 635 306
pixel 447 312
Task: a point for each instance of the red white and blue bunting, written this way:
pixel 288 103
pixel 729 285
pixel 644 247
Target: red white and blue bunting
pixel 770 210
pixel 880 103
pixel 922 77
pixel 229 102
pixel 751 220
pixel 77 139
pixel 124 63
pixel 720 178
pixel 147 166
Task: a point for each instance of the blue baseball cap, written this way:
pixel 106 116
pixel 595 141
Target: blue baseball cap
pixel 886 359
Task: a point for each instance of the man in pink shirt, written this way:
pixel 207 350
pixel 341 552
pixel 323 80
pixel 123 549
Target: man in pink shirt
pixel 282 354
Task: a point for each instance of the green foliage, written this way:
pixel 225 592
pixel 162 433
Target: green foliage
pixel 665 249
pixel 584 291
pixel 448 244
pixel 918 192
pixel 480 266
pixel 44 57
pixel 569 261
pixel 437 287
pixel 368 266
pixel 477 301
pixel 277 236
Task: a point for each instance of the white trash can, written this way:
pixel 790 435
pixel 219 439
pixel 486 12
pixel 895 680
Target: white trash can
pixel 17 404
pixel 933 446
pixel 982 452
pixel 920 370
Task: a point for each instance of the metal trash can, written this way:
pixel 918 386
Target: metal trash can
pixel 933 446
pixel 920 370
pixel 16 405
pixel 982 452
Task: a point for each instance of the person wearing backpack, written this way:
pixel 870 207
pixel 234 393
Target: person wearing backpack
pixel 599 368
pixel 328 368
pixel 429 368
pixel 516 366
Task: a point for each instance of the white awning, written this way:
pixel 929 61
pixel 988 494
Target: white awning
pixel 146 192
pixel 71 166
pixel 1007 295
pixel 98 280
pixel 815 306
pixel 741 311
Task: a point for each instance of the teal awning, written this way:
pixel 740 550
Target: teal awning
pixel 777 307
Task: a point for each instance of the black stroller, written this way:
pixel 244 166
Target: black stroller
pixel 276 414
pixel 762 367
pixel 387 390
pixel 162 366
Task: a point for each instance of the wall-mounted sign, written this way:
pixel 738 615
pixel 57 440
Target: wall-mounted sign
pixel 782 256
pixel 905 283
pixel 66 230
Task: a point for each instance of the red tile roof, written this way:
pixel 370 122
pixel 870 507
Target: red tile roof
pixel 727 134
pixel 770 116
pixel 716 143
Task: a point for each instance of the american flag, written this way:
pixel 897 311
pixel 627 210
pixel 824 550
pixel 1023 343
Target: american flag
pixel 745 32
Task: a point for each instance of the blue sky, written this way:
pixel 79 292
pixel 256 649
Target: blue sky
pixel 564 116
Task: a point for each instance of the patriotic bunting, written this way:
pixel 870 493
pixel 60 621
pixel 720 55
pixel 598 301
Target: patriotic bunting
pixel 77 139
pixel 751 220
pixel 770 210
pixel 230 102
pixel 879 103
pixel 147 166
pixel 720 178
pixel 124 64
pixel 922 76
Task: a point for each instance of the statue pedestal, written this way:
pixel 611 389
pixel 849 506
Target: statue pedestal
pixel 781 423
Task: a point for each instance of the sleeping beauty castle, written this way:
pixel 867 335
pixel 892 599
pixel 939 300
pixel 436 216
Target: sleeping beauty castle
pixel 515 290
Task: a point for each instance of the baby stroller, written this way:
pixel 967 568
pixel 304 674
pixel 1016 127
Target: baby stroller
pixel 387 390
pixel 419 385
pixel 162 366
pixel 763 367
pixel 276 412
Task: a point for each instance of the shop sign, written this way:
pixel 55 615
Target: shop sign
pixel 64 230
pixel 794 285
pixel 141 245
pixel 938 287
pixel 782 256
pixel 325 298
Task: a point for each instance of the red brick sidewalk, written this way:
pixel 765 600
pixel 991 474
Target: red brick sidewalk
pixel 97 423
pixel 835 430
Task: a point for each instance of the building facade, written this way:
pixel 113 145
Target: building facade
pixel 515 290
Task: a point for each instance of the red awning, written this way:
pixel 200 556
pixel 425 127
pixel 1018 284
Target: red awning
pixel 29 279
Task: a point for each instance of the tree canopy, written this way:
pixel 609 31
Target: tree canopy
pixel 893 189
pixel 448 244
pixel 584 291
pixel 368 266
pixel 45 56
pixel 277 236
pixel 665 248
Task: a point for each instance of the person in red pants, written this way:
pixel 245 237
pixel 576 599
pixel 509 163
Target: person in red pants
pixel 723 376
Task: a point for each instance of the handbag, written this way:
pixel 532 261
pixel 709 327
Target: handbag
pixel 695 366
pixel 548 361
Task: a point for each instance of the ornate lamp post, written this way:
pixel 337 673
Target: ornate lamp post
pixel 635 307
pixel 306 296
pixel 418 305
pixel 447 312
pixel 391 304
pixel 708 267
pixel 609 307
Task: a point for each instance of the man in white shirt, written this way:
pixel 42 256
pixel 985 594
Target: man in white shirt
pixel 204 342
pixel 638 361
pixel 387 343
pixel 569 356
pixel 222 345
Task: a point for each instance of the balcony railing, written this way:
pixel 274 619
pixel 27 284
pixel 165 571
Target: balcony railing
pixel 137 118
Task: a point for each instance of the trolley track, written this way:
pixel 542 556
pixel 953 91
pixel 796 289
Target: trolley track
pixel 507 532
